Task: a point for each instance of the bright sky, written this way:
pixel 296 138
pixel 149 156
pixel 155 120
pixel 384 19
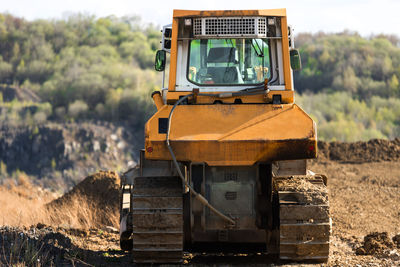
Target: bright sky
pixel 364 16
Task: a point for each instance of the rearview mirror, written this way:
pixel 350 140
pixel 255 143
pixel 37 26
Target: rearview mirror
pixel 159 63
pixel 295 61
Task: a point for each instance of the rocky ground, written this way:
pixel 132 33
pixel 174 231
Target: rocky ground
pixel 364 194
pixel 59 155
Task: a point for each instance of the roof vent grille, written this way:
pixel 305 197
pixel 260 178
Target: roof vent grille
pixel 254 27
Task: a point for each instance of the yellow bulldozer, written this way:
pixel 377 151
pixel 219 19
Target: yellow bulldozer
pixel 224 166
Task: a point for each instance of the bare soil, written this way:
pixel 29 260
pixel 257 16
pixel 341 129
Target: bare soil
pixel 364 195
pixel 364 198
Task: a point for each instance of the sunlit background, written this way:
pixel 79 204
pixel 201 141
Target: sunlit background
pixel 363 16
pixel 76 77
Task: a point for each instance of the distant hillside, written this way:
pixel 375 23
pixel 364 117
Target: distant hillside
pixel 85 68
pixel 348 62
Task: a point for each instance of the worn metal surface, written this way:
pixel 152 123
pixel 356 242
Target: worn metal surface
pixel 231 236
pixel 125 230
pixel 305 224
pixel 157 212
pixel 240 192
pixel 223 135
pixel 289 167
pixel 232 190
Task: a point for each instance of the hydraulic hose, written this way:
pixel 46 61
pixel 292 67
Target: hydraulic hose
pixel 198 196
pixel 203 200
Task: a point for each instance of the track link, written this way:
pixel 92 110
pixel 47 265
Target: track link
pixel 305 224
pixel 157 212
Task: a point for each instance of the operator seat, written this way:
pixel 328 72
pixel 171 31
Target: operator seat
pixel 222 65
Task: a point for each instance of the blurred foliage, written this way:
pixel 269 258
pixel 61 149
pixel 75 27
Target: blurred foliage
pixel 17 113
pixel 350 85
pixel 85 68
pixel 340 117
pixel 348 62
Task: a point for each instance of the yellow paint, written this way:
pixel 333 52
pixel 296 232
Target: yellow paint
pixel 285 54
pixel 174 55
pixel 229 13
pixel 229 133
pixel 233 134
pixel 178 14
pixel 158 101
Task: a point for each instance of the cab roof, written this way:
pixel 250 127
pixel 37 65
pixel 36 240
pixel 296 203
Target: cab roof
pixel 229 13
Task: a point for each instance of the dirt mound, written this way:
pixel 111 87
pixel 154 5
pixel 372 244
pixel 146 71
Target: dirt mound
pixel 376 244
pixel 371 151
pixel 102 188
pixel 94 202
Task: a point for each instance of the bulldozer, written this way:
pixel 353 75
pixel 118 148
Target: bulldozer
pixel 224 164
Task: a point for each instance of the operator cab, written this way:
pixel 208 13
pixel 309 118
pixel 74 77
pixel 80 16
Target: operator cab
pixel 228 62
pixel 217 54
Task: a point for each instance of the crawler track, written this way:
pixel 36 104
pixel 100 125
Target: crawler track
pixel 305 224
pixel 157 208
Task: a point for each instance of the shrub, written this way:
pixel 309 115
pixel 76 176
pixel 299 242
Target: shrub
pixel 77 109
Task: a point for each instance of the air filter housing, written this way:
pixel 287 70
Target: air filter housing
pixel 222 27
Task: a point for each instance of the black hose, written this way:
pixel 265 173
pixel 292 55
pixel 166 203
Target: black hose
pixel 247 91
pixel 192 191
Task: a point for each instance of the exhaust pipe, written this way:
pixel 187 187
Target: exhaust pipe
pixel 157 98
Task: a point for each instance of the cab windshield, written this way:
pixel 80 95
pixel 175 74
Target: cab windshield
pixel 228 61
